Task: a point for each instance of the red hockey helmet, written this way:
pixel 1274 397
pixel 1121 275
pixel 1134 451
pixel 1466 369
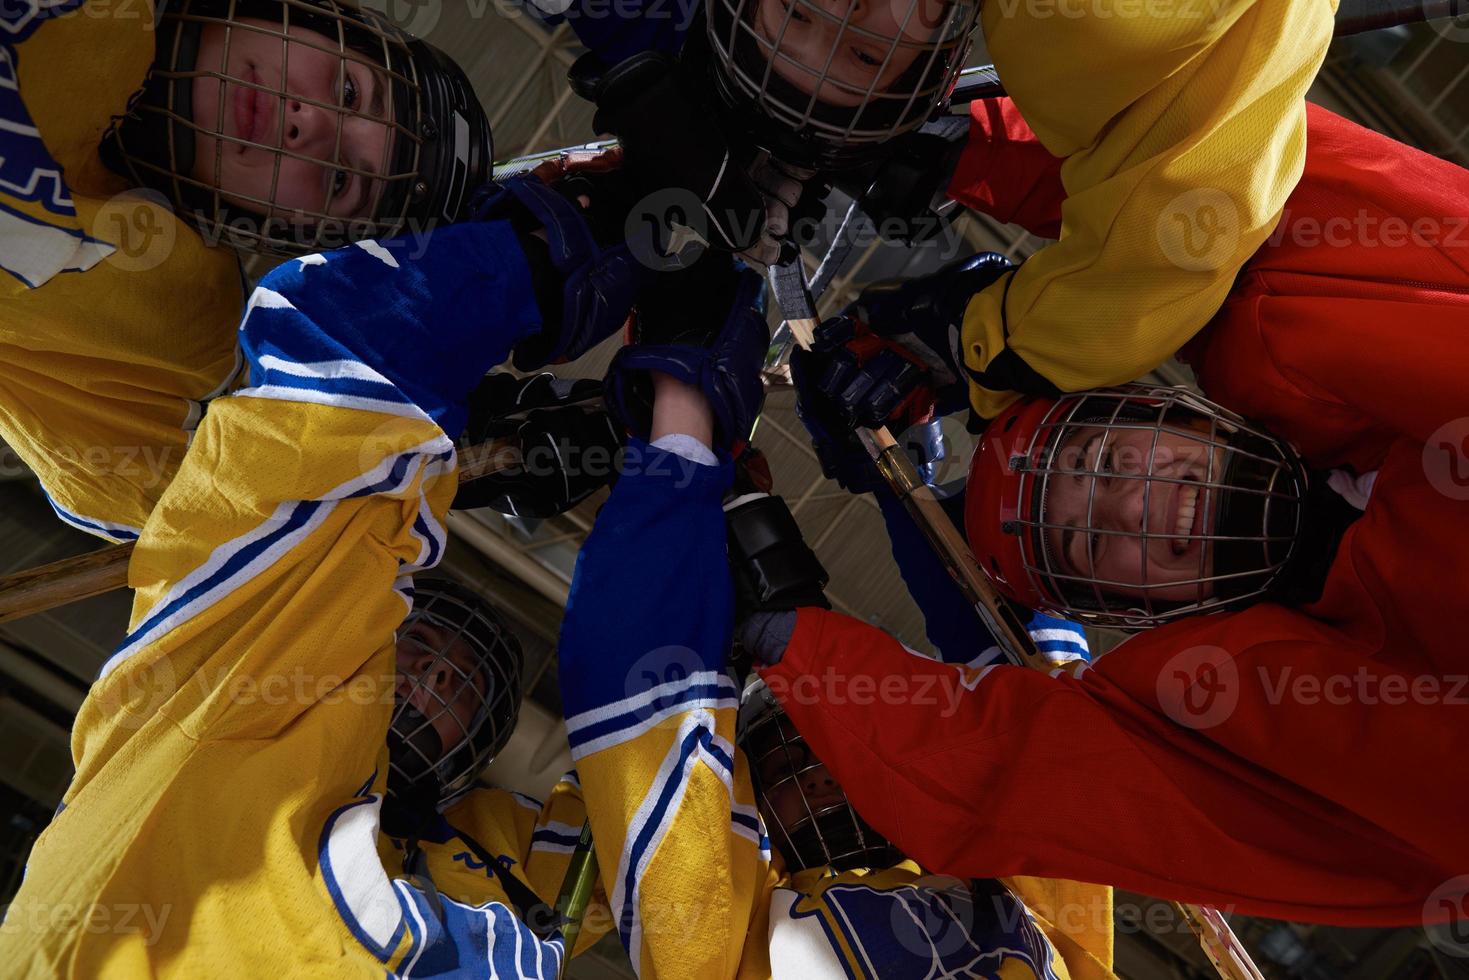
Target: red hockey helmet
pixel 1132 506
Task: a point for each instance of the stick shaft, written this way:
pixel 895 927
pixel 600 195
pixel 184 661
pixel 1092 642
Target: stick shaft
pixel 36 590
pixel 576 890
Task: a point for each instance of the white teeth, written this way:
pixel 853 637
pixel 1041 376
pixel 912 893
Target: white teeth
pixel 1188 497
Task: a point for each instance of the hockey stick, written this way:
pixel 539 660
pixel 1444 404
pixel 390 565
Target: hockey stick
pixel 70 580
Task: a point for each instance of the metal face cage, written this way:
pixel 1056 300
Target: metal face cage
pixel 826 831
pixel 293 126
pixel 459 693
pixel 1200 509
pixel 837 78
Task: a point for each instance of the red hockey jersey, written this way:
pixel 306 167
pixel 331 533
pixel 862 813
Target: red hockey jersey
pixel 1303 763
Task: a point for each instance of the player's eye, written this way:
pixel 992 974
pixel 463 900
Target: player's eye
pixel 341 180
pixel 349 91
pixel 795 12
pixel 868 59
pixel 1095 550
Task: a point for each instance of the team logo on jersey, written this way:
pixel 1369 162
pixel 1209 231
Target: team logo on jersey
pixel 946 928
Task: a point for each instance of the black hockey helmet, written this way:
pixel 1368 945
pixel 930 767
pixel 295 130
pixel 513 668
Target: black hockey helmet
pixel 417 140
pixel 826 83
pixel 458 696
pixel 807 814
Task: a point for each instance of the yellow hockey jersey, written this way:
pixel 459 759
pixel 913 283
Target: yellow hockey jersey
pixel 1183 129
pixel 117 322
pixel 230 758
pixel 686 862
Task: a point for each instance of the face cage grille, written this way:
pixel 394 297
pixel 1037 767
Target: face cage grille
pixel 487 676
pixel 935 68
pixel 1228 439
pixel 830 834
pixel 257 223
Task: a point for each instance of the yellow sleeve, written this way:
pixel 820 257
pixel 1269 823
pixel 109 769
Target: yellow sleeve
pixel 67 69
pixel 231 755
pixel 1076 917
pixel 117 321
pixel 1183 129
pixel 550 845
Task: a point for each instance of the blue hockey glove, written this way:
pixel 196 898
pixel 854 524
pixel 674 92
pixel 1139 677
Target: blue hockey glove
pixel 585 288
pixel 725 367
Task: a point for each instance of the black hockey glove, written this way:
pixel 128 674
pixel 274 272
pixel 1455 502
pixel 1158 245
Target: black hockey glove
pixel 671 143
pixel 567 444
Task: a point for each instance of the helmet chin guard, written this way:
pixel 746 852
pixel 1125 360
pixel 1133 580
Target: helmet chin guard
pixel 393 144
pixel 825 83
pixel 458 698
pixel 808 817
pixel 1133 506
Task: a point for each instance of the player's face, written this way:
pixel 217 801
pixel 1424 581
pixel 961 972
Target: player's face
pixel 1131 484
pixel 284 121
pixel 795 785
pixel 447 690
pixel 858 61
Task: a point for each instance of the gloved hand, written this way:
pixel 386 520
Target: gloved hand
pixel 894 357
pixel 584 281
pixel 568 444
pixel 738 200
pixel 717 346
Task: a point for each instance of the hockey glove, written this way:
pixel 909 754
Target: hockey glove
pixel 568 444
pixel 726 371
pixel 894 356
pixel 673 147
pixel 585 287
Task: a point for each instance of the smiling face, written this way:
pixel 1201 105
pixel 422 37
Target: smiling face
pixel 305 126
pixel 1127 508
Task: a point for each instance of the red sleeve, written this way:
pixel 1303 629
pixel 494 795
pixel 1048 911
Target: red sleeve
pixel 1006 172
pixel 1347 330
pixel 1088 778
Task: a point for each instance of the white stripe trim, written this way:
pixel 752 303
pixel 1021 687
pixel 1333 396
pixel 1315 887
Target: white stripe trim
pixel 1067 636
pixel 8 126
pixel 403 409
pixel 422 944
pixel 329 370
pixel 667 770
pixel 627 734
pixel 222 554
pixel 216 560
pixel 378 252
pixel 594 716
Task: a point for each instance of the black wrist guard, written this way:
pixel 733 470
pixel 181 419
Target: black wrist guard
pixel 772 566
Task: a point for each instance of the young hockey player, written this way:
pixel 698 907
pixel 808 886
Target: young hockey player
pixel 682 780
pixel 1237 759
pixel 267 125
pixel 240 754
pixel 1182 126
